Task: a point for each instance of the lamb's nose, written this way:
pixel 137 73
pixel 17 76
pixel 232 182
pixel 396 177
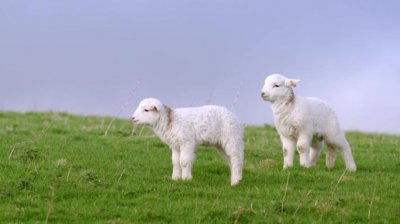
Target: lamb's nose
pixel 133 118
pixel 262 94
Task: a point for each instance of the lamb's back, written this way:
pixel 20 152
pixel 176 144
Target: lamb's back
pixel 209 123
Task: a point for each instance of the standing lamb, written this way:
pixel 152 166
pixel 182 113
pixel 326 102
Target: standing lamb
pixel 185 128
pixel 304 122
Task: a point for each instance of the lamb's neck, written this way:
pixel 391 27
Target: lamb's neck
pixel 162 127
pixel 283 107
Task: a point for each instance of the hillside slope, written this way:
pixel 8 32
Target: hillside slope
pixel 57 167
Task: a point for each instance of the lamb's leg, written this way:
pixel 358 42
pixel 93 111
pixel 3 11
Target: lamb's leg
pixel 176 171
pixel 330 156
pixel 186 160
pixel 288 147
pixel 348 156
pixel 315 151
pixel 340 143
pixel 234 152
pixel 221 151
pixel 303 147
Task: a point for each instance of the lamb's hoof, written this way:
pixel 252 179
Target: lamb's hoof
pixel 175 178
pixel 351 168
pixel 235 182
pixel 329 167
pixel 305 165
pixel 286 167
pixel 186 178
pixel 312 165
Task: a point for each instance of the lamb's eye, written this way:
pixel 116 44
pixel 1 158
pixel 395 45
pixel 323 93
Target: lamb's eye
pixel 276 85
pixel 146 110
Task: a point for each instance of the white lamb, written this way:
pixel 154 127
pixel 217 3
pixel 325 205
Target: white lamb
pixel 185 128
pixel 304 122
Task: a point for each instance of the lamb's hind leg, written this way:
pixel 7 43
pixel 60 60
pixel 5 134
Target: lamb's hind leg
pixel 345 150
pixel 234 153
pixel 339 142
pixel 315 151
pixel 222 153
pixel 330 156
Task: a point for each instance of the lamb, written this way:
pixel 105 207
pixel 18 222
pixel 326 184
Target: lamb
pixel 185 128
pixel 304 122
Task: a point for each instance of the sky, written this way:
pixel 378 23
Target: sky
pixel 98 57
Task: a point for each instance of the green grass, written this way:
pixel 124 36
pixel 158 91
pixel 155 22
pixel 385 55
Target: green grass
pixel 59 168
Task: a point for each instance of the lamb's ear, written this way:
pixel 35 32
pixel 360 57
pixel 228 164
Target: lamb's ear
pixel 292 82
pixel 153 108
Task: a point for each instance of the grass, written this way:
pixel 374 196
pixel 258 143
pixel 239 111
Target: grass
pixel 59 168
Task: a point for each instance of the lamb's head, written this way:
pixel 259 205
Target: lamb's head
pixel 148 112
pixel 278 87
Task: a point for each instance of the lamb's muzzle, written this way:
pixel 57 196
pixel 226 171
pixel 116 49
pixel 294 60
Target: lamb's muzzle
pixel 134 120
pixel 264 96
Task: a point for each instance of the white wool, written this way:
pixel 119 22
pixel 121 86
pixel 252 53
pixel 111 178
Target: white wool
pixel 303 123
pixel 185 128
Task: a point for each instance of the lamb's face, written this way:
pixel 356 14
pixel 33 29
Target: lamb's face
pixel 148 112
pixel 277 87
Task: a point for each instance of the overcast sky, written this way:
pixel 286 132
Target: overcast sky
pixel 102 57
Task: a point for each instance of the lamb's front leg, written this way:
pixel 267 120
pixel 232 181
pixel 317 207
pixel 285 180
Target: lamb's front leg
pixel 303 147
pixel 288 147
pixel 176 170
pixel 186 160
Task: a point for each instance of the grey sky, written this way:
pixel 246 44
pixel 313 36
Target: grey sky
pixel 88 56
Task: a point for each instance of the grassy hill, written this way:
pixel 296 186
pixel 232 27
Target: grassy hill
pixel 59 168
